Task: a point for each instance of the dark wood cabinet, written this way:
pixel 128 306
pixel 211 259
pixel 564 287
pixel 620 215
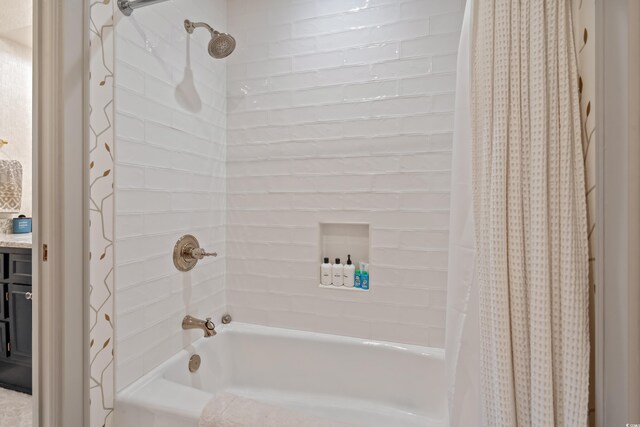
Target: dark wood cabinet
pixel 20 315
pixel 20 268
pixel 4 266
pixel 4 301
pixel 16 310
pixel 4 340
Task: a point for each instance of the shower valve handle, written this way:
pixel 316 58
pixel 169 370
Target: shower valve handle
pixel 199 253
pixel 187 252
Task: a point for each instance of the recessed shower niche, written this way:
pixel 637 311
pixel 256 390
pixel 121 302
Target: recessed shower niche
pixel 338 240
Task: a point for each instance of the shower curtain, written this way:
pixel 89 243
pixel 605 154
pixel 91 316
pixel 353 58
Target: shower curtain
pixel 462 340
pixel 530 264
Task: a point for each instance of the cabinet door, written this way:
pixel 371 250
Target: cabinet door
pixel 4 340
pixel 4 266
pixel 20 268
pixel 4 301
pixel 20 309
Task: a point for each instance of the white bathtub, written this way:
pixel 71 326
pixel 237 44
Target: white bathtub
pixel 359 381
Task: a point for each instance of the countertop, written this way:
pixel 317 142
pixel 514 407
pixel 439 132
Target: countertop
pixel 16 240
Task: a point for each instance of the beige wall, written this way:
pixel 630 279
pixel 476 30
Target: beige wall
pixel 15 111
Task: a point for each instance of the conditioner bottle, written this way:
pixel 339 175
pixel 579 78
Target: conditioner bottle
pixel 337 271
pixel 325 272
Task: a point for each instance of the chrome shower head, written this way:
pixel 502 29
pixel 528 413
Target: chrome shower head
pixel 221 44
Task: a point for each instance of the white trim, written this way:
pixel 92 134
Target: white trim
pixel 618 266
pixel 60 129
pixel 633 126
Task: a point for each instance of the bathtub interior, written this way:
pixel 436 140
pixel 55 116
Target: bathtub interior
pixel 363 382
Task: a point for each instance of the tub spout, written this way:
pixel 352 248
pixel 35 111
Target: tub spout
pixel 190 322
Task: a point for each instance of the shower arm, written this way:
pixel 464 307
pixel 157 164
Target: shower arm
pixel 127 6
pixel 190 26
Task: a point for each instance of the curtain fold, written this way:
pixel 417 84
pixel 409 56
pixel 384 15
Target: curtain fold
pixel 462 339
pixel 529 213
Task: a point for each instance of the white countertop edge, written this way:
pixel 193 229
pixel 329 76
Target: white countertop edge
pixel 16 240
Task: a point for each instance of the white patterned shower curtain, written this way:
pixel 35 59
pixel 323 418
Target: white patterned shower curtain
pixel 529 221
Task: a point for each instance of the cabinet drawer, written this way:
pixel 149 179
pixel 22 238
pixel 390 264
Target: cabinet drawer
pixel 4 340
pixel 20 268
pixel 4 266
pixel 4 301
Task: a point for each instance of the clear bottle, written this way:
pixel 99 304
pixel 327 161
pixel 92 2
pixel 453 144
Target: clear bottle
pixel 349 273
pixel 325 272
pixel 337 272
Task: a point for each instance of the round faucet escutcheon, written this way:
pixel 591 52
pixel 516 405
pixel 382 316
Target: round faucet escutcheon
pixel 187 252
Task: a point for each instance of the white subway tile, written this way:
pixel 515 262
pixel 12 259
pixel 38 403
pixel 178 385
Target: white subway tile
pixel 371 53
pixel 344 75
pixel 319 95
pixel 429 7
pixel 446 23
pixel 435 83
pixel 319 25
pixel 402 68
pixel 318 61
pixel 269 100
pixel 331 7
pixel 129 127
pixel 345 39
pixel 129 77
pixel 431 45
pixel 292 47
pixel 413 27
pixel 371 17
pixel 294 81
pixel 401 106
pixel 371 91
pixel 427 123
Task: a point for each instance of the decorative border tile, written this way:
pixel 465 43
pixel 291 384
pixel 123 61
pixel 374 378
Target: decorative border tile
pixel 101 213
pixel 584 22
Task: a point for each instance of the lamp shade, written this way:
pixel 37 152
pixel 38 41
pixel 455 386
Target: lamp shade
pixel 10 186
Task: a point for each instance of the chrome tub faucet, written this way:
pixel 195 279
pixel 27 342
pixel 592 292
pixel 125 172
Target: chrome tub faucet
pixel 190 322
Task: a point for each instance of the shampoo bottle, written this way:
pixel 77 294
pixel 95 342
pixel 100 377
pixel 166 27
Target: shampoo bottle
pixel 337 271
pixel 349 273
pixel 364 276
pixel 325 272
pixel 357 279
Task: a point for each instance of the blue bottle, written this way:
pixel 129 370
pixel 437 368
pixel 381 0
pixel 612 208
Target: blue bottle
pixel 357 280
pixel 364 279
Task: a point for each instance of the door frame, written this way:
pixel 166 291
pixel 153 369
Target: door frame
pixel 617 299
pixel 60 129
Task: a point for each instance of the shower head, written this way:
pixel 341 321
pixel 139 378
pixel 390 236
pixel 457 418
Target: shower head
pixel 221 44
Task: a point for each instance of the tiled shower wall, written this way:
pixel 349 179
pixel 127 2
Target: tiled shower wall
pixel 341 111
pixel 170 104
